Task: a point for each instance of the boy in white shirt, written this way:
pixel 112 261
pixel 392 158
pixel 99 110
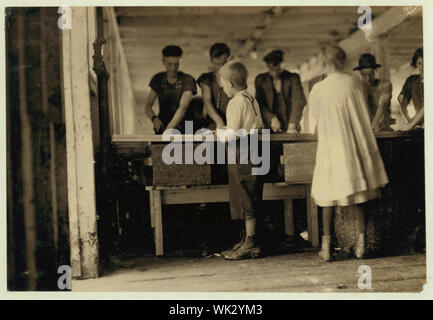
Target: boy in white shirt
pixel 243 112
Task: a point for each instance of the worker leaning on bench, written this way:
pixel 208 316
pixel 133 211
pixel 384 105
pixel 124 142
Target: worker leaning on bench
pixel 174 90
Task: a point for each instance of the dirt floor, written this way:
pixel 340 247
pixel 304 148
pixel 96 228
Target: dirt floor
pixel 294 272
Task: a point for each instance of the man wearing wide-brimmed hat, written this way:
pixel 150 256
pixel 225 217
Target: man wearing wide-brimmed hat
pixel 379 93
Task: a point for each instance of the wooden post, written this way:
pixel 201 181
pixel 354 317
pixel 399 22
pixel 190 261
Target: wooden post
pixel 106 183
pixel 10 181
pixel 313 219
pixel 123 100
pixel 157 207
pixel 152 210
pixel 80 154
pixel 288 217
pixel 45 109
pixel 26 161
pixel 379 48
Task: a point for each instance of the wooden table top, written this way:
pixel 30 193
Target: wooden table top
pixel 120 140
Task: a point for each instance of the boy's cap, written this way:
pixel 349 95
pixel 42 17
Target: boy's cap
pixel 172 51
pixel 275 56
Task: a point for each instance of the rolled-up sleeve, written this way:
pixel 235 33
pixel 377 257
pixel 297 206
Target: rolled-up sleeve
pixel 155 83
pixel 204 79
pixel 189 85
pixel 406 91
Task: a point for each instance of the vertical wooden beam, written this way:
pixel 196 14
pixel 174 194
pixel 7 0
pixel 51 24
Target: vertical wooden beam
pixel 152 210
pixel 26 161
pixel 288 217
pixel 108 57
pixel 120 92
pixel 312 219
pixel 80 154
pixel 10 167
pixel 67 101
pixel 45 109
pixel 379 48
pixel 125 94
pixel 114 87
pixel 106 194
pixel 157 207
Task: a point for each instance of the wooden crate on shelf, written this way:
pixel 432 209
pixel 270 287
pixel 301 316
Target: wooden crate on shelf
pixel 178 174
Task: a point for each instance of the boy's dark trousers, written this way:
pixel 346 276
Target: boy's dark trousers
pixel 245 189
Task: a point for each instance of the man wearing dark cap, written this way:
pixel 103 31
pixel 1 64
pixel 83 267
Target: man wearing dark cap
pixel 378 91
pixel 174 90
pixel 280 95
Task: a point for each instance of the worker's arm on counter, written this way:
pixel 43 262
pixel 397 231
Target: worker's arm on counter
pixel 415 121
pixel 157 124
pixel 180 112
pixel 209 107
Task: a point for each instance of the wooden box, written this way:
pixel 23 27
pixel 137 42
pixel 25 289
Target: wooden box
pixel 178 174
pixel 298 160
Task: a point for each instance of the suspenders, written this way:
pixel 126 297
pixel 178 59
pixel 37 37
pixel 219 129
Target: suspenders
pixel 251 100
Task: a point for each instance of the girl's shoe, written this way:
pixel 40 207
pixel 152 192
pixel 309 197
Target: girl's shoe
pixel 359 248
pixel 325 253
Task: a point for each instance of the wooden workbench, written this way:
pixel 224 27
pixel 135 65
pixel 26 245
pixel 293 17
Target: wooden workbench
pixel 162 195
pixel 287 191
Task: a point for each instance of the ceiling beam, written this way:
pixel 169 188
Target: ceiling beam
pixel 174 11
pixel 250 43
pixel 381 25
pixel 362 39
pixel 221 10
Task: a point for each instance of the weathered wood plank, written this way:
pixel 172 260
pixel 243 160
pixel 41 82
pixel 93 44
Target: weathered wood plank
pixel 299 160
pixel 220 193
pixel 178 174
pixel 124 87
pixel 184 10
pixel 80 153
pixel 159 238
pixel 313 212
pixel 152 208
pixel 74 234
pixel 284 137
pixel 288 217
pixel 312 219
pixel 240 10
pixel 28 190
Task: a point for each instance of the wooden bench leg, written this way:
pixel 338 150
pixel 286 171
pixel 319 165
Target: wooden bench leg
pixel 159 241
pixel 312 219
pixel 288 217
pixel 152 210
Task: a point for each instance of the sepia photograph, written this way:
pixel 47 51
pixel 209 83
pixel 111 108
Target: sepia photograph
pixel 215 149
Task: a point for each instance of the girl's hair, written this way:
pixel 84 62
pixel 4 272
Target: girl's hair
pixel 335 55
pixel 418 54
pixel 236 72
pixel 218 49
